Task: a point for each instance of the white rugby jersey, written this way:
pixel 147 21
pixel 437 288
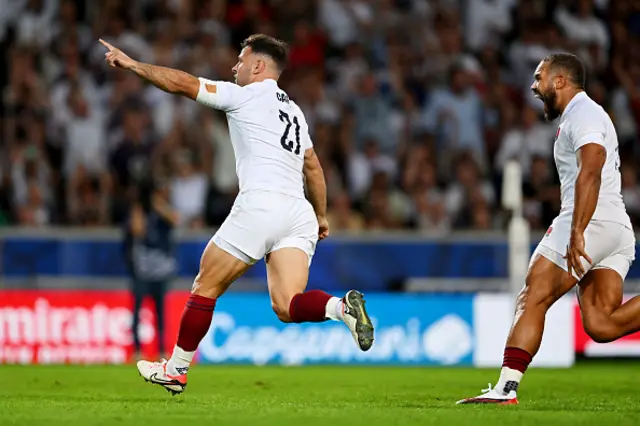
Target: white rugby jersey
pixel 268 132
pixel 582 122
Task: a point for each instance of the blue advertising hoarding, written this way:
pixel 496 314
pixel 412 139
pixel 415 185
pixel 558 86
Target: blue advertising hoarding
pixel 410 330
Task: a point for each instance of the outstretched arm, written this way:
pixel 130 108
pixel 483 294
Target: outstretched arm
pixel 170 80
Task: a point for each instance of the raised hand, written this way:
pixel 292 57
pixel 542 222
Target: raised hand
pixel 116 57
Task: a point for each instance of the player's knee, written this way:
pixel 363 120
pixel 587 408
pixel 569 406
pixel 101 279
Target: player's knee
pixel 601 334
pixel 205 287
pixel 600 329
pixel 281 311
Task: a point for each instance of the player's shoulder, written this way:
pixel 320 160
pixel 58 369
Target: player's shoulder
pixel 295 107
pixel 588 112
pixel 290 105
pixel 256 96
pixel 269 90
pixel 588 108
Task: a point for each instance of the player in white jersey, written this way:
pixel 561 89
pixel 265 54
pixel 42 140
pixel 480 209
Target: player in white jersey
pixel 271 216
pixel 591 243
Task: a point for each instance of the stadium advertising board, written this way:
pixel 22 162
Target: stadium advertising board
pixel 492 318
pixel 52 327
pixel 94 327
pixel 425 330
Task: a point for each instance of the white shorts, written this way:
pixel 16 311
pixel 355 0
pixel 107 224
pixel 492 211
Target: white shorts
pixel 261 222
pixel 610 245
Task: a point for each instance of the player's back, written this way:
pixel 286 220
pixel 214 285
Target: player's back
pixel 584 122
pixel 269 135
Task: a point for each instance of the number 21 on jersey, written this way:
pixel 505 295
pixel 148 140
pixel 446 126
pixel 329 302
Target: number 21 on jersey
pixel 284 140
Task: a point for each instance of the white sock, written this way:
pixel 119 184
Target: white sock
pixel 334 309
pixel 180 361
pixel 508 375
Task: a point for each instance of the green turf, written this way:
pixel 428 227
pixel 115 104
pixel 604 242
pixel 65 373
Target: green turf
pixel 598 394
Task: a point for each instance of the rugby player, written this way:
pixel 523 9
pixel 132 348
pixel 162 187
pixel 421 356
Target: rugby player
pixel 590 244
pixel 271 216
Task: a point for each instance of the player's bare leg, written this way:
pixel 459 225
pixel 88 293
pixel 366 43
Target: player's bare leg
pixel 218 269
pixel 288 272
pixel 604 316
pixel 546 283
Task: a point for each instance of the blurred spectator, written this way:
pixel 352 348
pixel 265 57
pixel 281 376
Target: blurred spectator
pixel 371 114
pixel 34 24
pixel 582 26
pixel 85 145
pixel 351 69
pixel 541 194
pixel 33 211
pixel 631 192
pixel 363 166
pixel 307 49
pixel 188 189
pixel 429 200
pixel 69 30
pixel 412 105
pixel 454 114
pixel 224 167
pixel 131 160
pixel 530 138
pixel 31 188
pixel 151 254
pixel 342 20
pixel 487 22
pixel 5 202
pixel 468 192
pixel 244 18
pixel 341 215
pixel 386 205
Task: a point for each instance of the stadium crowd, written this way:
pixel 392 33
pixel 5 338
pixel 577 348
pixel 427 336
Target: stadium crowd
pixel 414 106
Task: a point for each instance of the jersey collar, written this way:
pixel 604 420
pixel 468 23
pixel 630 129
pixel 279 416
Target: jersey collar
pixel 266 80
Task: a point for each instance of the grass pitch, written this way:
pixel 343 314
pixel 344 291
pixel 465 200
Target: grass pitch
pixel 589 394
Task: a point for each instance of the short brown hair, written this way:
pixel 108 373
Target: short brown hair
pixel 270 46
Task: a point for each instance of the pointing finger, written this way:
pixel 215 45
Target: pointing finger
pixel 107 45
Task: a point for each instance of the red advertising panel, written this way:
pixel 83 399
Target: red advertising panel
pixel 72 327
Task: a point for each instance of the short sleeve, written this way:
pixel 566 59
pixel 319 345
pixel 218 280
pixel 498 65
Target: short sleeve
pixel 586 131
pixel 221 95
pixel 305 135
pixel 306 140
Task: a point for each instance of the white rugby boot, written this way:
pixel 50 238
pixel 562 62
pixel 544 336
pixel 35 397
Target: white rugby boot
pixel 493 396
pixel 156 373
pixel 356 318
